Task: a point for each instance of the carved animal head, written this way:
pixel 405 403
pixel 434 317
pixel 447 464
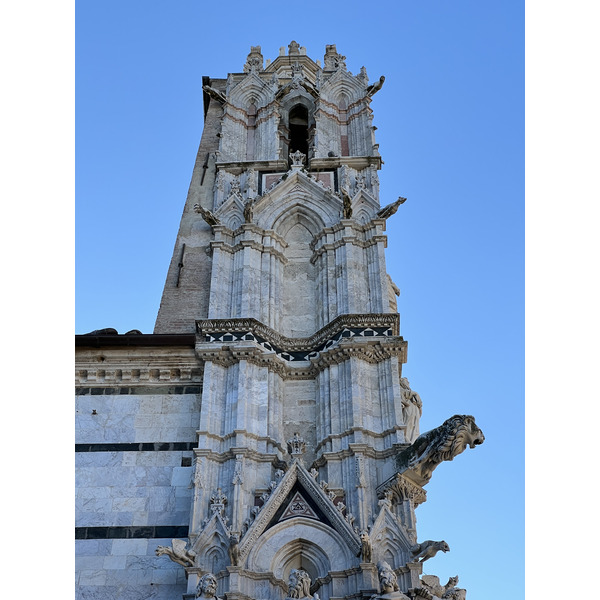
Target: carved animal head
pixel 442 546
pixel 473 435
pixel 457 433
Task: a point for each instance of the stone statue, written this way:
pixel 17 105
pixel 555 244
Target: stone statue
pixel 431 588
pixel 366 548
pixel 178 552
pixel 297 158
pixel 347 205
pixel 375 87
pixel 248 211
pixel 216 94
pixel 440 444
pixel 207 587
pixel 452 592
pixel 388 582
pixel 387 211
pixel 207 215
pixel 387 578
pixel 428 549
pixel 299 584
pixel 234 550
pixel 412 409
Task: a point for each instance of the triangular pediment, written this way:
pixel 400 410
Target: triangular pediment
pixel 212 542
pixel 297 190
pixel 298 484
pixel 231 212
pixel 342 82
pixel 364 206
pixel 250 89
pixel 391 541
pixel 298 507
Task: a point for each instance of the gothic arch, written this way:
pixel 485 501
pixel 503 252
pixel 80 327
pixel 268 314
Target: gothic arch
pixel 251 90
pixel 293 99
pixel 302 195
pixel 298 214
pixel 277 549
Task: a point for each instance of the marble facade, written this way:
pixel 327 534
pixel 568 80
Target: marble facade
pixel 286 441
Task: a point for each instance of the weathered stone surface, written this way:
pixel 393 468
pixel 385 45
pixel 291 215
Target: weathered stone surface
pixel 263 443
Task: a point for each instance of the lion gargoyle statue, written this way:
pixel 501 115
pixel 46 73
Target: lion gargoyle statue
pixel 178 552
pixel 445 442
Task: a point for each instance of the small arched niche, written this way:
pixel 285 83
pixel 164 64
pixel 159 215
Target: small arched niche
pixel 298 127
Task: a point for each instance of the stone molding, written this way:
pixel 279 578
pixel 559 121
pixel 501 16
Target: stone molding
pixel 242 325
pixel 231 452
pixel 127 366
pixel 232 249
pixel 353 448
pixel 238 341
pixel 239 166
pixel 318 163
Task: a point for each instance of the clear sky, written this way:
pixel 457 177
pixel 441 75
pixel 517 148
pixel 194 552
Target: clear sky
pixel 450 125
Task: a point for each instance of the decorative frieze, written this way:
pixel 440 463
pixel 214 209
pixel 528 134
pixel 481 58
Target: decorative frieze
pixel 342 327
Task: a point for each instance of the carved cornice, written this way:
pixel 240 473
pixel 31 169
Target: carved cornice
pixel 238 166
pixel 371 351
pixel 368 337
pixel 367 450
pixel 127 366
pixel 348 240
pixel 356 162
pixel 234 450
pixel 232 249
pixel 217 329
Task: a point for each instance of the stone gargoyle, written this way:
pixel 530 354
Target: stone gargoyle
pixel 431 589
pixel 445 442
pixel 428 549
pixel 178 552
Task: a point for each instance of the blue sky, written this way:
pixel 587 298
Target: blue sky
pixel 450 121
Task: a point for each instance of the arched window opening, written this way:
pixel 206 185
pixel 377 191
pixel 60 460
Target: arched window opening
pixel 299 129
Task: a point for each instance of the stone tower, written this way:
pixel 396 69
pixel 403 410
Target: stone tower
pixel 307 463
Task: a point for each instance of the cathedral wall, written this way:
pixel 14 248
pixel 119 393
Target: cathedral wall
pixel 186 292
pixel 133 467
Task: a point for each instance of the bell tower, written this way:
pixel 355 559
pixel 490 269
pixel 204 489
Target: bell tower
pixel 308 464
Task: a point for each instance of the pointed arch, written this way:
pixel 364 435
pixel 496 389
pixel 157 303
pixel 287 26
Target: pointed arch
pixel 278 548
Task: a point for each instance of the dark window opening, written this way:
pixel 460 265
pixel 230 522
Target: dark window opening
pixel 299 129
